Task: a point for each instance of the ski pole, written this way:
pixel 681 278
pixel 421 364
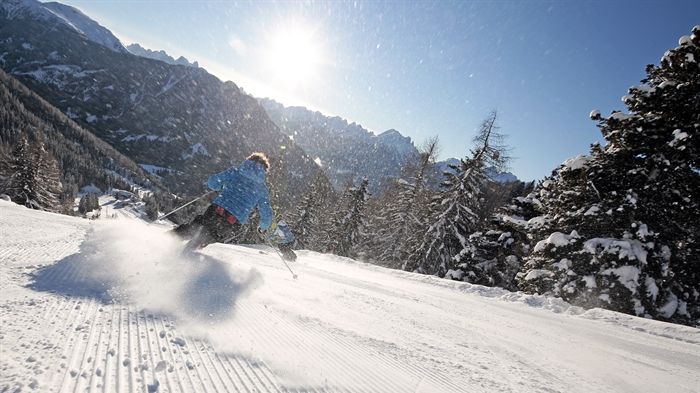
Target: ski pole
pixel 183 206
pixel 294 276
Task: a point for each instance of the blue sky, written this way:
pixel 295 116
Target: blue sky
pixel 425 68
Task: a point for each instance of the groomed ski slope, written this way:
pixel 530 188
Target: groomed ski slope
pixel 109 306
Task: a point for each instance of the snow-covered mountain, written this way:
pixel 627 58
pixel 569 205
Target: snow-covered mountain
pixel 161 55
pixel 491 172
pixel 111 305
pixel 347 151
pixel 401 144
pixel 501 177
pixel 84 158
pixel 71 17
pixel 180 118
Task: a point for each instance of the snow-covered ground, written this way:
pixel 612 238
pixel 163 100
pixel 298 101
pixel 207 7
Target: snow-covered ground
pixel 109 305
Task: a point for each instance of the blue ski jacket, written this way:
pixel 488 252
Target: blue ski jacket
pixel 242 190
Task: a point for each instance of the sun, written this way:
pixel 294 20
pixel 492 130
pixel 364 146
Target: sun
pixel 293 56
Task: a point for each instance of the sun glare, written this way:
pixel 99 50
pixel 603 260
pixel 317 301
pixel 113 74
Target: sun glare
pixel 293 57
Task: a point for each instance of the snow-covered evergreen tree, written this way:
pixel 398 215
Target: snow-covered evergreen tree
pixel 400 216
pixel 152 207
pixel 310 221
pixel 445 244
pixel 347 233
pixel 498 251
pixel 623 221
pixel 32 177
pixel 446 238
pixel 88 203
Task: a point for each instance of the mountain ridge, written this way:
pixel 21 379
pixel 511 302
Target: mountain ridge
pixel 161 55
pixel 346 150
pixel 174 117
pixel 83 158
pixel 66 15
pixel 317 133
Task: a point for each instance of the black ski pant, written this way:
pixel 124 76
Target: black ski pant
pixel 212 226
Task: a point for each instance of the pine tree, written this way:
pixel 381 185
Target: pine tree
pixel 375 242
pixel 310 220
pixel 401 214
pixel 349 223
pixel 152 207
pixel 623 221
pixel 32 177
pixel 498 251
pixel 88 203
pixel 446 238
pixel 445 244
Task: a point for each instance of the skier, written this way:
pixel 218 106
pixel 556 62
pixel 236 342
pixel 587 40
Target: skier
pixel 242 189
pixel 285 240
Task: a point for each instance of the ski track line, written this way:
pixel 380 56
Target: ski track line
pixel 119 353
pixel 238 375
pixel 206 349
pixel 158 356
pixel 67 335
pixel 92 351
pixel 174 363
pixel 61 335
pixel 142 363
pixel 110 363
pixel 259 364
pixel 246 383
pixel 227 370
pixel 131 360
pixel 267 339
pixel 50 341
pixel 290 327
pixel 246 373
pixel 266 382
pixel 147 357
pixel 190 366
pixel 74 344
pixel 96 377
pixel 85 345
pixel 346 338
pixel 215 365
pixel 205 377
pixel 365 352
pixel 253 370
pixel 303 347
pixel 376 376
pixel 162 355
pixel 257 369
pixel 428 300
pixel 504 358
pixel 343 339
pixel 187 367
pixel 359 286
pixel 196 368
pixel 293 329
pixel 265 371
